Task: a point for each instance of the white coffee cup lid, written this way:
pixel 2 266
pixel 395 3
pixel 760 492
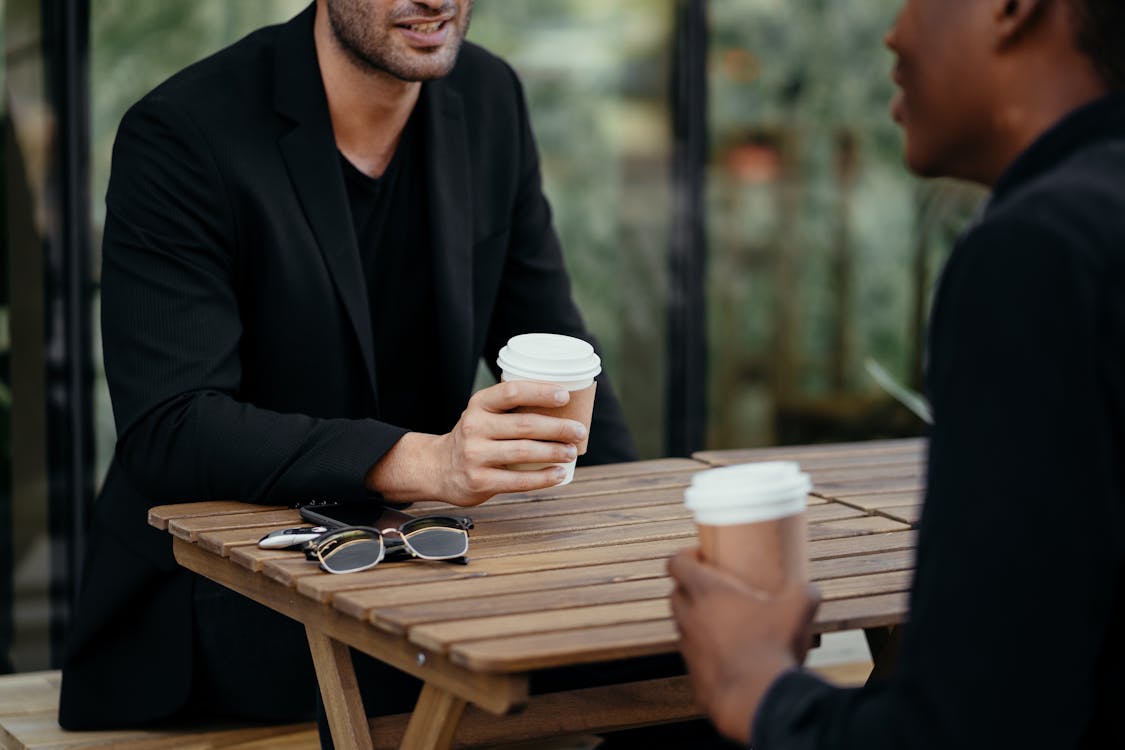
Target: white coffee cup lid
pixel 549 357
pixel 747 493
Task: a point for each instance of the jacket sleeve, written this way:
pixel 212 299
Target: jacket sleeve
pixel 535 294
pixel 171 334
pixel 1020 549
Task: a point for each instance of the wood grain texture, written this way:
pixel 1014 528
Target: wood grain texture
pixel 340 692
pixel 160 516
pixel 433 721
pixel 874 502
pixel 875 451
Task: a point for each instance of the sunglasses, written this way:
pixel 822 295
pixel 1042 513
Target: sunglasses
pixel 355 548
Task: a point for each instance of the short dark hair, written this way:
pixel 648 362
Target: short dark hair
pixel 1100 28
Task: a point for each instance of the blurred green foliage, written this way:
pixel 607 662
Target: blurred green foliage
pixel 823 250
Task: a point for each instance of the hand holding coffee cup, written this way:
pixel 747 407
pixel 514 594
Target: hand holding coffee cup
pixel 751 521
pixel 563 361
pixel 474 460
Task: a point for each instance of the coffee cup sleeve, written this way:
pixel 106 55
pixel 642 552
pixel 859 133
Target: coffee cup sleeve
pixel 580 408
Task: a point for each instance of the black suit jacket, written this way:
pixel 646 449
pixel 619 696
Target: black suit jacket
pixel 237 331
pixel 1017 617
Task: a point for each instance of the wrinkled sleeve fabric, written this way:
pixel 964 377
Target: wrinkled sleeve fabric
pixel 171 330
pixel 1019 543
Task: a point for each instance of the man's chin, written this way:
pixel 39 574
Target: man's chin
pixel 919 162
pixel 423 66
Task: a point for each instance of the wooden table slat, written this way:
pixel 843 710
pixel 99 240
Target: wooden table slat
pixel 844 489
pixel 488 513
pixel 851 587
pixel 868 449
pixel 160 515
pixel 250 524
pixel 597 487
pixel 373 602
pixel 867 564
pixel 873 503
pixel 847 527
pixel 398 619
pixel 635 469
pixel 875 462
pixel 438 636
pixel 910 514
pixel 545 650
pixel 586 645
pixel 863 474
pixel 498 531
pixel 862 612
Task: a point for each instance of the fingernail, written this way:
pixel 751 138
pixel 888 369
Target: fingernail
pixel 561 397
pixel 558 473
pixel 580 431
pixel 571 452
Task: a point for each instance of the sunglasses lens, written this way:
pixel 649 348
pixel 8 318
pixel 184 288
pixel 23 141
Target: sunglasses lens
pixel 351 551
pixel 437 539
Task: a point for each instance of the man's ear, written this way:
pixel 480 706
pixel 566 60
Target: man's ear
pixel 1014 18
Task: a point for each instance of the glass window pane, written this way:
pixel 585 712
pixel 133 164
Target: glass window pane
pixel 28 121
pixel 596 76
pixel 133 47
pixel 823 249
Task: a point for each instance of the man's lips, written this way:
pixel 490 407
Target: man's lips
pixel 426 32
pixel 898 103
pixel 898 108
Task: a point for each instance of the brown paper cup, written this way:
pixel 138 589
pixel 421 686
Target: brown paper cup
pixel 767 555
pixel 580 408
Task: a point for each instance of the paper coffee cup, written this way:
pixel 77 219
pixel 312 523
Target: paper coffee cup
pixel 560 360
pixel 751 521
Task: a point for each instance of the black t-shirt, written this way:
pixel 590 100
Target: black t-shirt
pixel 391 228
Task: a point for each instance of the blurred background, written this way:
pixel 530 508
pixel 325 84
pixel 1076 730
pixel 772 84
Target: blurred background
pixel 726 181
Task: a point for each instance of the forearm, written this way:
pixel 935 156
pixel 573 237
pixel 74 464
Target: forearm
pixel 405 473
pixel 208 445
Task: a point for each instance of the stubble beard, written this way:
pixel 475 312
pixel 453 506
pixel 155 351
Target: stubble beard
pixel 370 43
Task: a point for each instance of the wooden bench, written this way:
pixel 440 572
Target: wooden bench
pixel 29 705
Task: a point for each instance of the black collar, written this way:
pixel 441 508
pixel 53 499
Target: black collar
pixel 1101 119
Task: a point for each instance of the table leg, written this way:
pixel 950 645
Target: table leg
pixel 884 643
pixel 340 692
pixel 434 720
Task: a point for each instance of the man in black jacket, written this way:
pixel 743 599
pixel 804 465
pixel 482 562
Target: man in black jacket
pixel 312 239
pixel 1016 636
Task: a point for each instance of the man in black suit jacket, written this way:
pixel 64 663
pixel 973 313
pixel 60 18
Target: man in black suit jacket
pixel 1017 613
pixel 245 329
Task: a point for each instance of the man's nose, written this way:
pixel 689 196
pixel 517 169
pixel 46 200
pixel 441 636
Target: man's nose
pixel 890 39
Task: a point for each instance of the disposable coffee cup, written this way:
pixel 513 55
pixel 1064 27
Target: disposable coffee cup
pixel 751 521
pixel 563 361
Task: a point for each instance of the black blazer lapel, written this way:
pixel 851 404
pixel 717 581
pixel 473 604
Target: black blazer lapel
pixel 310 154
pixel 451 228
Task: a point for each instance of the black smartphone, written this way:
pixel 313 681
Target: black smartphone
pixel 353 513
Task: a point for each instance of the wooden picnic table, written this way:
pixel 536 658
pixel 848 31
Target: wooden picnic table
pixel 559 577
